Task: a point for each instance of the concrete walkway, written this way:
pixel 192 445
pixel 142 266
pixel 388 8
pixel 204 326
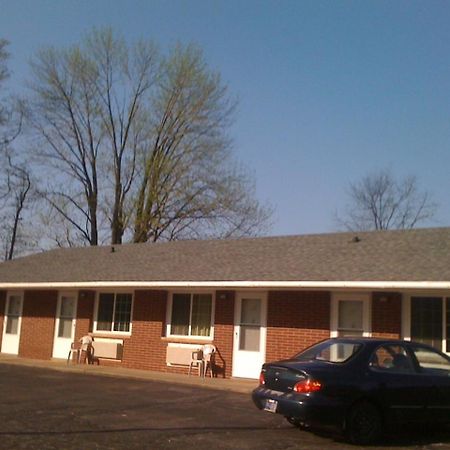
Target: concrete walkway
pixel 240 385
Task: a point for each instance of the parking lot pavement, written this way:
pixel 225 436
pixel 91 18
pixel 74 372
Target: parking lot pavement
pixel 47 409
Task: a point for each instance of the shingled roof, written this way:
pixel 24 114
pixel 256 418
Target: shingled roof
pixel 413 255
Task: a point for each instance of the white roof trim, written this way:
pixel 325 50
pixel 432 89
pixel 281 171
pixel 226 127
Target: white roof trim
pixel 382 285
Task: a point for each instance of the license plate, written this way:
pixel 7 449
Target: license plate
pixel 271 405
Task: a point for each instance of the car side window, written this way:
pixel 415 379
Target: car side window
pixel 430 361
pixel 392 359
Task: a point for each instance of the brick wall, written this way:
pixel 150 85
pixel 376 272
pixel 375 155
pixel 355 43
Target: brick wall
pixel 223 332
pixel 38 324
pixel 296 320
pixel 85 313
pixel 145 349
pixel 387 314
pixel 147 346
pixel 2 313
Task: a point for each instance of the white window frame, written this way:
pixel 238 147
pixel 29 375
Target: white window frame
pixel 62 294
pixel 190 336
pixel 406 312
pixel 337 297
pixel 97 302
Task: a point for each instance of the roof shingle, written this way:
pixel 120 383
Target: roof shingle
pixel 413 255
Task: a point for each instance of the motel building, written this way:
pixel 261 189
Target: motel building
pixel 149 306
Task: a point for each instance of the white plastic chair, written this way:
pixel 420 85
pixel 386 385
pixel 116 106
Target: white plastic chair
pixel 196 361
pixel 74 350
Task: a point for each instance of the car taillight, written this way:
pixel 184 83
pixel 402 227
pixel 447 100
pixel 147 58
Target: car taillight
pixel 307 386
pixel 262 380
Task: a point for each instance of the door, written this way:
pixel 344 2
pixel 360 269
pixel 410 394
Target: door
pixel 402 390
pixel 436 368
pixel 249 335
pixel 65 324
pixel 12 323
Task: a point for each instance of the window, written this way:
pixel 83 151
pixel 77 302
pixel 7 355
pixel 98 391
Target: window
pixel 392 359
pixel 114 312
pixel 66 315
pixel 191 315
pixel 350 318
pixel 426 320
pixel 429 321
pixel 350 314
pixel 13 314
pixel 432 362
pixel 330 351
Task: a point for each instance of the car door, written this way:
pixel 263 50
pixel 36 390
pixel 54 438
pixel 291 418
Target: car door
pixel 401 389
pixel 435 366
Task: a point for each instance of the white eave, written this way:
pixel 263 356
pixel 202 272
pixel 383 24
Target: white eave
pixel 327 285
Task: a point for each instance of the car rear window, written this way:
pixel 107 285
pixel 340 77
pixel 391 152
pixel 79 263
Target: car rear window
pixel 333 352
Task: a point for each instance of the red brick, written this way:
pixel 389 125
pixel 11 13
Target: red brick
pixel 38 324
pixel 296 320
pixel 387 315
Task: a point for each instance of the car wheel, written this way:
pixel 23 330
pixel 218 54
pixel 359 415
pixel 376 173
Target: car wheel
pixel 364 423
pixel 297 423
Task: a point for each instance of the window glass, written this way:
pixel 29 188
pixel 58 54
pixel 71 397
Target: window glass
pixel 13 314
pixel 250 311
pixel 122 314
pixel 67 307
pixel 426 320
pixel 432 362
pixel 105 312
pixel 191 315
pixel 181 310
pixel 392 359
pixel 65 328
pixel 250 338
pixel 12 325
pixel 330 351
pixel 350 318
pixel 201 315
pixel 14 305
pixel 114 312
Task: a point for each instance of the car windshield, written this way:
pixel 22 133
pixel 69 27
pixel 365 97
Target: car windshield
pixel 329 351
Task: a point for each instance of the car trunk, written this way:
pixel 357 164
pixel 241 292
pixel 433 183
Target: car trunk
pixel 282 379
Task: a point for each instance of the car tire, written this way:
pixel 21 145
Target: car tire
pixel 364 424
pixel 297 423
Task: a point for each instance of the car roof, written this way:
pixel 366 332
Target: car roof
pixel 378 341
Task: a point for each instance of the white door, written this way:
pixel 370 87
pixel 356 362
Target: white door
pixel 249 348
pixel 65 324
pixel 12 323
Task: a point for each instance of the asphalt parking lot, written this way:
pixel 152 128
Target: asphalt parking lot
pixel 48 409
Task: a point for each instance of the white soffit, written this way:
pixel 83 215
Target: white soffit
pixel 382 285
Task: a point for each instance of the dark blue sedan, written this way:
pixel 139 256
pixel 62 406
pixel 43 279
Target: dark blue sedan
pixel 359 386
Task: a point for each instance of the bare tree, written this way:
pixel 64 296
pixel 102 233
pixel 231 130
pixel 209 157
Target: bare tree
pixel 65 113
pixel 10 109
pixel 189 186
pixel 126 74
pixel 15 179
pixel 17 187
pixel 86 105
pixel 380 202
pixel 4 74
pixel 139 141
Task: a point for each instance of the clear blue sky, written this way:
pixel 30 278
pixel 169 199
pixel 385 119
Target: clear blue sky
pixel 328 90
